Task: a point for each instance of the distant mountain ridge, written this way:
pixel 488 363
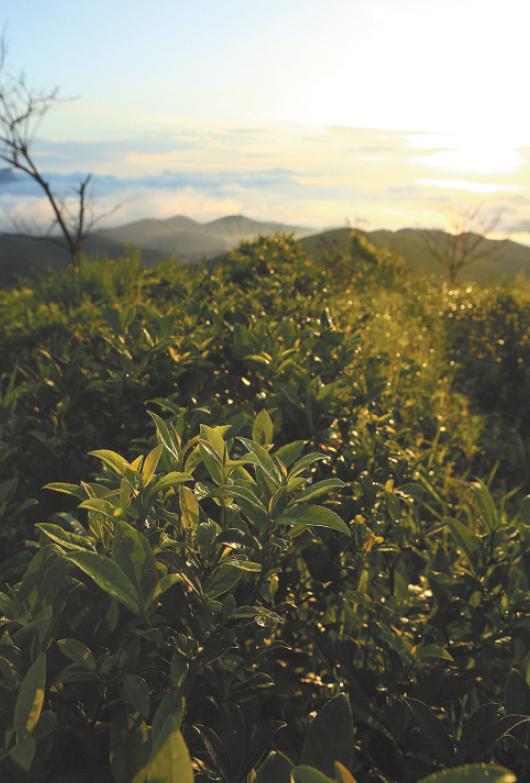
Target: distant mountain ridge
pixel 188 240
pixel 179 237
pixel 503 257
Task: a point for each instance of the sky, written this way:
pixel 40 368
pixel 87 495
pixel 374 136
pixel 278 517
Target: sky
pixel 378 113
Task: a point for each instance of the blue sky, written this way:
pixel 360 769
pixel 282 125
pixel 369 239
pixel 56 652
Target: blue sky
pixel 308 111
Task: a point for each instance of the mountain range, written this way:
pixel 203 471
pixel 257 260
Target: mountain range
pixel 501 257
pixel 188 240
pixel 178 237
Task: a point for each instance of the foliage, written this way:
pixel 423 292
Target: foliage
pixel 490 347
pixel 316 525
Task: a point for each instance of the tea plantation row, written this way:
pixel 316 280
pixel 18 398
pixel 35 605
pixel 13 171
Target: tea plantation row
pixel 264 491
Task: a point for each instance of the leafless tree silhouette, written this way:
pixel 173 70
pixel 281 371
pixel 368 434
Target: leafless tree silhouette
pixel 22 110
pixel 467 240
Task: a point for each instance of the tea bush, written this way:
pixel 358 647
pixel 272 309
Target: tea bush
pixel 185 614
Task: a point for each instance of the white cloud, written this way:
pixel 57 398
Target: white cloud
pixel 316 176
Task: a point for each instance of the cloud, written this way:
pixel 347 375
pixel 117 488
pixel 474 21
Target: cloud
pixel 299 175
pixel 469 185
pixel 519 226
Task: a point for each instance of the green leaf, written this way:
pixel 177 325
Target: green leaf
pixel 263 459
pixel 178 670
pixel 243 565
pixel 171 707
pixel 524 509
pixel 308 515
pixel 249 502
pixel 173 479
pixel 137 693
pixel 150 464
pixel 205 536
pixel 215 436
pixel 319 488
pixel 221 581
pixel 499 729
pixel 108 576
pixel 129 747
pixel 259 358
pixel 330 736
pixel 472 773
pixel 486 505
pixel 213 461
pixel 343 775
pixel 465 539
pixel 305 462
pixel 171 761
pixel 8 607
pixel 275 769
pixel 290 452
pixel 162 585
pixel 132 552
pixel 250 612
pixel 66 489
pixel 189 507
pixel 262 428
pixel 433 730
pixel 100 506
pixel 303 774
pixel 516 694
pixel 23 753
pixel 433 651
pixel 112 460
pixel 77 652
pixel 65 538
pixel 165 436
pixel 30 698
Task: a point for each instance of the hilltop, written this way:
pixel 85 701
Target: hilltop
pixel 191 241
pixel 179 237
pixel 504 258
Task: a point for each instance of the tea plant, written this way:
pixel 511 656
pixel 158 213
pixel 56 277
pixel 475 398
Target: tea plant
pixel 352 541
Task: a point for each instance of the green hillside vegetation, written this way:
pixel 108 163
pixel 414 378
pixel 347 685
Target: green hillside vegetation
pixel 264 522
pixel 188 241
pixel 30 257
pixel 503 258
pixel 179 237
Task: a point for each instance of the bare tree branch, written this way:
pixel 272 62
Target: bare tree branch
pixel 466 243
pixel 21 113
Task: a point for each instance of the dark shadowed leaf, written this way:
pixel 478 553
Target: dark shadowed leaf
pixel 77 652
pixel 432 730
pixel 330 736
pixel 275 769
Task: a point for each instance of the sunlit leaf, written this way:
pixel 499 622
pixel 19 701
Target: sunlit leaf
pixel 472 773
pixel 108 576
pixel 30 698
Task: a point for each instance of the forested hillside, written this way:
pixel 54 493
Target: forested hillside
pixel 188 241
pixel 264 522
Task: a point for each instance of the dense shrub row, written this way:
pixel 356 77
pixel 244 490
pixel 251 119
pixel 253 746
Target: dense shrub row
pixel 317 515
